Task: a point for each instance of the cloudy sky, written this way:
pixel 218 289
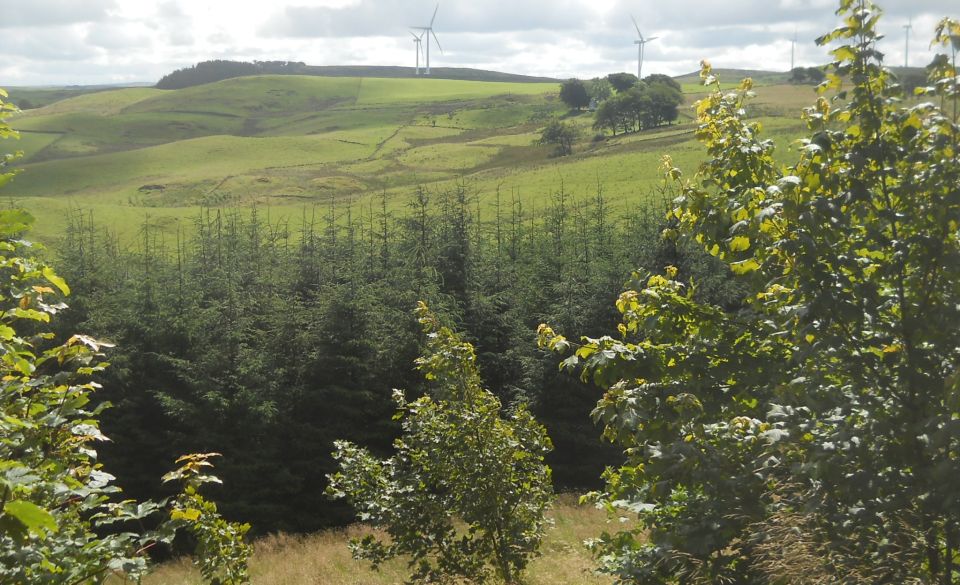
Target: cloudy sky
pixel 59 42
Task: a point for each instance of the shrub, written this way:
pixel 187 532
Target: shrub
pixel 467 488
pixel 59 520
pixel 561 134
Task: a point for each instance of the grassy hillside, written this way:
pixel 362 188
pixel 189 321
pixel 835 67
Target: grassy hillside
pixel 289 141
pixel 459 73
pixel 39 96
pixel 324 558
pixel 217 70
pixel 730 77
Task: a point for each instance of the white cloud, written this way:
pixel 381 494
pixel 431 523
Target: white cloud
pixel 45 13
pixel 95 41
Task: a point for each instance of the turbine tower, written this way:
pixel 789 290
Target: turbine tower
pixel 906 44
pixel 428 30
pixel 793 49
pixel 640 42
pixel 418 47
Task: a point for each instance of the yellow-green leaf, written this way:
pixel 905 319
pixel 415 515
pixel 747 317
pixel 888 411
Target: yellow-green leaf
pixel 33 517
pixel 745 266
pixel 55 280
pixel 190 514
pixel 739 244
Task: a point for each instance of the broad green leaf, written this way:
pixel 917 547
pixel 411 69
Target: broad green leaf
pixel 189 514
pixel 744 266
pixel 55 280
pixel 37 520
pixel 14 221
pixel 740 244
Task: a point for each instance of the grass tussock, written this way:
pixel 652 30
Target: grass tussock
pixel 324 559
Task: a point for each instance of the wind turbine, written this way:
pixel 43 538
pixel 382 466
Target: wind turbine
pixel 428 30
pixel 419 48
pixel 640 44
pixel 906 44
pixel 793 49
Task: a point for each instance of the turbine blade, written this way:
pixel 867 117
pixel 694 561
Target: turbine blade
pixel 636 26
pixel 652 39
pixel 434 14
pixel 436 39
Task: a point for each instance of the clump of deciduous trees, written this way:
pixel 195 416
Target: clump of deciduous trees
pixel 812 75
pixel 639 105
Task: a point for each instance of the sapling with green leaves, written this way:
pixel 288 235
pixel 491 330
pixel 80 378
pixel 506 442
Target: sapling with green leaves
pixel 466 491
pixel 819 416
pixel 61 520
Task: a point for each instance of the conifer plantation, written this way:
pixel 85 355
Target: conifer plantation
pixel 266 341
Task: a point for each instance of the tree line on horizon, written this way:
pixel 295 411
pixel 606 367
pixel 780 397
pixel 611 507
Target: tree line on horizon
pixel 220 69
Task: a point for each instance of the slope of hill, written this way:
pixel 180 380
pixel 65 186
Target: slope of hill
pixel 456 73
pixel 731 78
pixel 213 71
pixel 30 97
pixel 290 141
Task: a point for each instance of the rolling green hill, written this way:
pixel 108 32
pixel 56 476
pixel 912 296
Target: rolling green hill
pixel 289 141
pixel 732 75
pixel 217 70
pixel 30 97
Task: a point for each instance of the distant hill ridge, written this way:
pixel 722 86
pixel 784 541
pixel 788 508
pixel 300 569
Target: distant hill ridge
pixel 735 75
pixel 211 71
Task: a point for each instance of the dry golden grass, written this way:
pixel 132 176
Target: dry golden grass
pixel 323 558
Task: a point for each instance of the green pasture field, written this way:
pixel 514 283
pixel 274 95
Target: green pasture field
pixel 391 91
pixel 286 142
pixel 104 102
pixel 37 97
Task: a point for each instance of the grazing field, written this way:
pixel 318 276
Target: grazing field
pixel 285 142
pixel 324 557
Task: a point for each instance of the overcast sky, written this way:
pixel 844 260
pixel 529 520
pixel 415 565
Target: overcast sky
pixel 60 42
